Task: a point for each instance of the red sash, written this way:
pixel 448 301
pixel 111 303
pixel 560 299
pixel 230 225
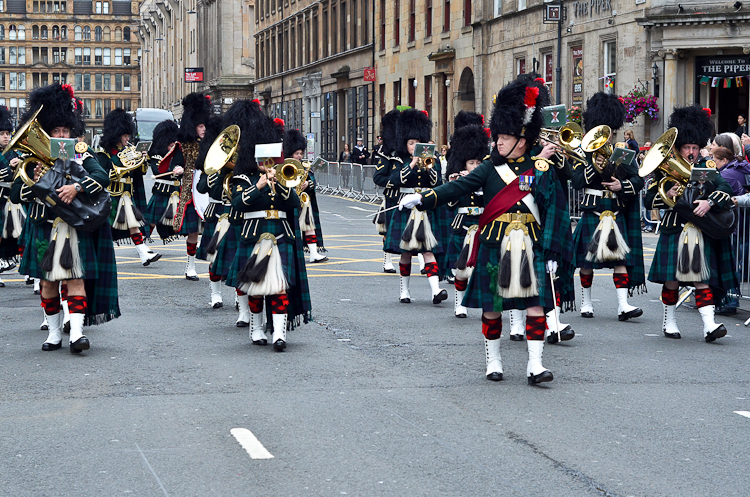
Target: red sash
pixel 500 204
pixel 167 160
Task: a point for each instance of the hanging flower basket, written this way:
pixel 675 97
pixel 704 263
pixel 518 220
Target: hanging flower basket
pixel 574 114
pixel 638 102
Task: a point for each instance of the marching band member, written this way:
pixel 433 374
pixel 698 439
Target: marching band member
pixel 126 190
pixel 12 216
pixel 524 231
pixel 686 254
pixel 195 116
pixel 295 145
pixel 165 158
pixel 382 177
pixel 609 232
pixel 469 147
pixel 269 261
pixel 84 260
pixel 412 231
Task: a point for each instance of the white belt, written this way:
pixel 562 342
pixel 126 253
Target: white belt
pixel 167 182
pixel 410 190
pixel 127 181
pixel 473 211
pixel 269 214
pixel 214 201
pixel 4 184
pixel 600 193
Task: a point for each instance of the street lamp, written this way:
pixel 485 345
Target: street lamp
pixel 655 72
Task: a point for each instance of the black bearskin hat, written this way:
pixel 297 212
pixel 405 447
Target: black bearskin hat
pixel 465 118
pixel 164 133
pixel 389 131
pixel 255 128
pixel 294 140
pixel 693 126
pixel 61 108
pixel 6 120
pixel 116 123
pixel 604 108
pixel 518 108
pixel 413 125
pixel 196 110
pixel 214 127
pixel 467 143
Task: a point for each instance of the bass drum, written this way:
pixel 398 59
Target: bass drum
pixel 200 200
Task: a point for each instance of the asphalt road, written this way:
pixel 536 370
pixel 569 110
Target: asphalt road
pixel 373 398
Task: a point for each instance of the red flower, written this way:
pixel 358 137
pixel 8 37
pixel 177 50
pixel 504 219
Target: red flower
pixel 69 89
pixel 532 92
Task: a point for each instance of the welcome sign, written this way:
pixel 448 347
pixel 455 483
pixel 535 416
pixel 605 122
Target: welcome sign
pixel 725 66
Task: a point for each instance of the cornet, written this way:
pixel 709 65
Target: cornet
pixel 567 139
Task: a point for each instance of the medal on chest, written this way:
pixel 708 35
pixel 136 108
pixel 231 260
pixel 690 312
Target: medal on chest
pixel 525 182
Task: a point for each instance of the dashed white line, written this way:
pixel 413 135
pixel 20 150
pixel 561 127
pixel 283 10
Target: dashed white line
pixel 743 413
pixel 251 444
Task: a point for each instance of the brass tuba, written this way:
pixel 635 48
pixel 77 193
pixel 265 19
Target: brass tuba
pixel 223 151
pixel 675 168
pixel 131 159
pixel 34 143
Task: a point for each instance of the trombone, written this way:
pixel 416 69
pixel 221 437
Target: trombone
pixel 567 139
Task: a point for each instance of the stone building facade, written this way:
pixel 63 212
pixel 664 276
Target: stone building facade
pixel 91 45
pixel 311 60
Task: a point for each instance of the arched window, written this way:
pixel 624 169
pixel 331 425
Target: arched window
pixel 2 32
pixel 12 32
pixel 78 33
pixel 107 36
pixel 64 32
pixel 55 32
pixel 34 32
pixel 118 34
pixel 87 33
pixel 21 32
pixel 126 34
pixel 43 32
pixel 98 33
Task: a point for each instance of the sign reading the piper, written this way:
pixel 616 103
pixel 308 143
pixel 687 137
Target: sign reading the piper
pixel 729 66
pixel 577 53
pixel 193 75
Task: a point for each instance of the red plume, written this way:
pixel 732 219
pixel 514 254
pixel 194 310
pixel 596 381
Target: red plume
pixel 540 81
pixel 532 92
pixel 257 101
pixel 208 97
pixel 622 100
pixel 425 113
pixel 69 89
pixel 279 121
pixel 708 111
pixel 482 116
pixel 488 132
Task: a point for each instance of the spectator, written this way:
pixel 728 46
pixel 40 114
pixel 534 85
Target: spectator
pixel 732 169
pixel 346 170
pixel 345 156
pixel 374 157
pixel 742 128
pixel 630 140
pixel 360 153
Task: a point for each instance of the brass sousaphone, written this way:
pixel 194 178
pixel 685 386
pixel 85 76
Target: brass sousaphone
pixel 34 143
pixel 223 153
pixel 675 168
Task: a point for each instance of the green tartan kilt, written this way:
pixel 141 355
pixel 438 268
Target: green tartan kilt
pixel 244 251
pixel 479 294
pixel 23 240
pixel 209 227
pixel 397 225
pixel 191 222
pixel 156 207
pixel 97 255
pixel 718 254
pixel 225 252
pixel 585 230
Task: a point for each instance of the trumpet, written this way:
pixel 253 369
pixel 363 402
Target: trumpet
pixel 426 163
pixel 568 141
pixel 675 168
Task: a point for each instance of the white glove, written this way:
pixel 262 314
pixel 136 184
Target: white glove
pixel 552 266
pixel 410 201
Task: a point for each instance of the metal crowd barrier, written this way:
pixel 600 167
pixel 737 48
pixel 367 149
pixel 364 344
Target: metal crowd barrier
pixel 741 248
pixel 348 180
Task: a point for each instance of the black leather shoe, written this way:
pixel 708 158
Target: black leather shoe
pixel 2 284
pixel 279 345
pixel 218 305
pixel 260 342
pixel 79 345
pixel 462 315
pixel 392 270
pixel 422 271
pixel 719 332
pixel 242 324
pixel 66 328
pixel 517 338
pixel 587 314
pixel 495 376
pixel 672 335
pixel 155 258
pixel 44 327
pixel 567 334
pixel 324 259
pixel 405 300
pixel 29 281
pixel 46 346
pixel 442 295
pixel 542 377
pixel 191 278
pixel 630 314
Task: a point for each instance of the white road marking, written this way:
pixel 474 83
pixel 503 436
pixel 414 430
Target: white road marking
pixel 251 444
pixel 360 208
pixel 743 413
pixel 651 335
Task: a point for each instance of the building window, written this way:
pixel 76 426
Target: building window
pixel 428 19
pixel 107 106
pixel 99 108
pixel 118 34
pixel 412 92
pixel 44 32
pixel 521 5
pixel 87 82
pixel 12 81
pixel 549 69
pixel 467 12
pixel 107 57
pixel 118 82
pixel 21 32
pixel 381 95
pixel 78 53
pixel 21 56
pixel 86 56
pixel 2 55
pixel 382 25
pixel 397 93
pixel 118 56
pixel 126 82
pixel 126 57
pixel 77 33
pixel 412 20
pixel 2 84
pixel 396 23
pixel 428 95
pixel 12 32
pixel 86 33
pixel 107 36
pixel 2 31
pixel 107 82
pixel 105 6
pixel 97 82
pixel 520 66
pixel 126 34
pixel 446 16
pixel 78 82
pixel 98 33
pixel 12 56
pixel 35 32
pixel 97 56
pixel 610 66
pixel 98 8
pixel 87 107
pixel 64 33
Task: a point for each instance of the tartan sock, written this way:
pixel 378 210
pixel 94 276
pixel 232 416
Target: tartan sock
pixel 137 238
pixel 310 239
pixel 461 285
pixel 586 280
pixel 492 328
pixel 63 291
pixel 558 299
pixel 431 269
pixel 405 269
pixel 535 327
pixel 192 248
pixel 213 277
pixel 704 297
pixel 256 304
pixel 622 280
pixel 669 297
pixel 240 292
pixel 77 304
pixel 279 303
pixel 51 306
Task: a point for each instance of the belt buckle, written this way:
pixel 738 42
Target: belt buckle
pixel 473 211
pixel 518 218
pixel 272 214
